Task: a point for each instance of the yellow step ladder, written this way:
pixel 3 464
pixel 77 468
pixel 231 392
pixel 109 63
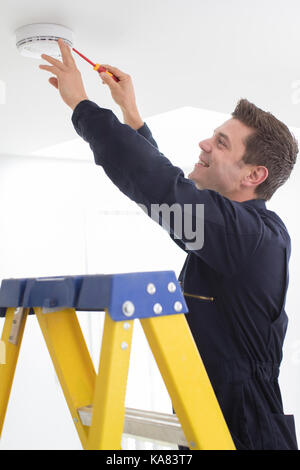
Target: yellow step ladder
pixel 97 401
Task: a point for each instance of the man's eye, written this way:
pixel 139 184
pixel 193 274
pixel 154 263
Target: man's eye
pixel 220 141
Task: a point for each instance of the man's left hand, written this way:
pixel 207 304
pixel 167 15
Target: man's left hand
pixel 67 78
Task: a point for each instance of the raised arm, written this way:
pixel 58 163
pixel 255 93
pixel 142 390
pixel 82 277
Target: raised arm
pixel 147 177
pixel 123 94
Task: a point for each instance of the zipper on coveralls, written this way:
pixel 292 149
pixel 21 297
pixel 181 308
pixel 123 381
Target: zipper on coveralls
pixel 201 297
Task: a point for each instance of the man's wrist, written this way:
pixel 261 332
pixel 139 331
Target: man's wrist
pixel 77 101
pixel 132 118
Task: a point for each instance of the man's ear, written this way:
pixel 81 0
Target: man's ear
pixel 256 176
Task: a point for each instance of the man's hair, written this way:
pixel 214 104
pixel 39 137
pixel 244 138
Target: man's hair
pixel 271 145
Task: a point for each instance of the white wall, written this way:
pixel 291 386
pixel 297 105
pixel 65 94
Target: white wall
pixel 285 202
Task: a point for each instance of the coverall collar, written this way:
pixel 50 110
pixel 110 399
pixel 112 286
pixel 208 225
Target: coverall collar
pixel 258 203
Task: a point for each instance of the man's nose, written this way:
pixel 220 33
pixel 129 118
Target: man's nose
pixel 205 145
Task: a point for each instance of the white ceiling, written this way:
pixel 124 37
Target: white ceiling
pixel 200 53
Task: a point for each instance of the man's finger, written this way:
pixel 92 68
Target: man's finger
pixel 53 61
pixel 51 69
pixel 66 54
pixel 117 72
pixel 107 79
pixel 53 82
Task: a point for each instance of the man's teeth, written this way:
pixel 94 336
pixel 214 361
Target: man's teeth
pixel 202 163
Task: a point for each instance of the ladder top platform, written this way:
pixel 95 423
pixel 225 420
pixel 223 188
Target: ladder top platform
pixel 125 295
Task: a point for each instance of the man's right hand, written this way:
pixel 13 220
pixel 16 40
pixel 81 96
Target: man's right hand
pixel 123 94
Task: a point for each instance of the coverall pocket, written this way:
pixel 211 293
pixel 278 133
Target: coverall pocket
pixel 284 432
pixel 231 398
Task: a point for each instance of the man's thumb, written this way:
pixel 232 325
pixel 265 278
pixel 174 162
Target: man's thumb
pixel 53 82
pixel 107 79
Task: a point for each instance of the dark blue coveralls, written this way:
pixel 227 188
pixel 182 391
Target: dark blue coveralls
pixel 235 285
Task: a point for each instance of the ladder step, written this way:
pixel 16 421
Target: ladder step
pixel 149 425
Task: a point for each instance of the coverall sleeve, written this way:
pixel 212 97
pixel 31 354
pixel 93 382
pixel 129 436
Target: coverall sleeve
pixel 232 232
pixel 145 132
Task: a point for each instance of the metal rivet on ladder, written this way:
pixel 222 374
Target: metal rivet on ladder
pixel 171 287
pixel 178 306
pixel 157 308
pixel 126 326
pixel 128 308
pixel 151 289
pixel 124 345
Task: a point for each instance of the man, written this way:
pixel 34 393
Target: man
pixel 236 284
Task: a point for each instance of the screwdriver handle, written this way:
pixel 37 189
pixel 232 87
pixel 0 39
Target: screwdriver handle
pixel 100 69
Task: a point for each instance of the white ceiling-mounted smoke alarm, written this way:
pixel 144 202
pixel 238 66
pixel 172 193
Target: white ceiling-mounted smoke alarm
pixel 33 40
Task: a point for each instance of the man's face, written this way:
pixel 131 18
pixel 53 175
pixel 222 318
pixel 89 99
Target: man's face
pixel 223 153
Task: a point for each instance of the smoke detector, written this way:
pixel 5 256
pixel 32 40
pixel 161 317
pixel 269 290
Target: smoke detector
pixel 33 40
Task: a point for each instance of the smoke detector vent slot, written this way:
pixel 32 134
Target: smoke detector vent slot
pixel 33 40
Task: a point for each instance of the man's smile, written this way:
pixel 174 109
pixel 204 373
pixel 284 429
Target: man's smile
pixel 202 162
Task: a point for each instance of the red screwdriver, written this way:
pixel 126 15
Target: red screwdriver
pixel 97 67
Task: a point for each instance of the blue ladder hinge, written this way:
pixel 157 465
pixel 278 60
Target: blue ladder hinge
pixel 126 296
